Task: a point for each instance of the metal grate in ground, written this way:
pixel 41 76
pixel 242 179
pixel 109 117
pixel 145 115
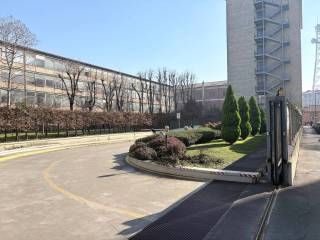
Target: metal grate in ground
pixel 193 218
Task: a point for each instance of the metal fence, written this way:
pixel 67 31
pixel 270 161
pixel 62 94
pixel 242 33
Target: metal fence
pixel 284 123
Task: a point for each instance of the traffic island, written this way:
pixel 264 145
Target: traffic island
pixel 210 159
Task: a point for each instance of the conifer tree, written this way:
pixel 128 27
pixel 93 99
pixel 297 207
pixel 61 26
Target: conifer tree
pixel 230 118
pixel 255 119
pixel 245 125
pixel 263 128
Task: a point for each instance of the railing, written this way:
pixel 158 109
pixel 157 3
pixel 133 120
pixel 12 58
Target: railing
pixel 294 123
pixel 284 122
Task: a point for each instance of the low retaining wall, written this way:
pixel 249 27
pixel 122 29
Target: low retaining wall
pixel 293 155
pixel 193 173
pixel 70 141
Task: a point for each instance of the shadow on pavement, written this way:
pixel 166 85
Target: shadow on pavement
pixel 196 216
pixel 251 162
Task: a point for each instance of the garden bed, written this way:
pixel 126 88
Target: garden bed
pixel 214 154
pixel 222 153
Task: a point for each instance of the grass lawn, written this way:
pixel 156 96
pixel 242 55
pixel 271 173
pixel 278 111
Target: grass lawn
pixel 219 149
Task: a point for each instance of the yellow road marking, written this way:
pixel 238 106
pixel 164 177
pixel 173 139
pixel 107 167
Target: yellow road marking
pixel 26 154
pixel 83 200
pixel 34 152
pixel 66 193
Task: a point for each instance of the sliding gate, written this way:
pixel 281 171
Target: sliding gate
pixel 277 139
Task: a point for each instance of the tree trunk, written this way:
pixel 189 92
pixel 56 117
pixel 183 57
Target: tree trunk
pixel 8 89
pixel 71 105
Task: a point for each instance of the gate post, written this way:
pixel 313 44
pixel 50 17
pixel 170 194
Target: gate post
pixel 277 144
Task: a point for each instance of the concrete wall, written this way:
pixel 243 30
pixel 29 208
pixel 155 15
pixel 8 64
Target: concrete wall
pixel 293 88
pixel 241 49
pixel 241 46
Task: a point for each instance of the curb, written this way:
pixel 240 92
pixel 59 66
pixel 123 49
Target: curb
pixel 70 140
pixel 25 151
pixel 197 174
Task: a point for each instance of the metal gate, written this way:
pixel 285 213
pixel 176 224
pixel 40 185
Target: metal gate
pixel 277 139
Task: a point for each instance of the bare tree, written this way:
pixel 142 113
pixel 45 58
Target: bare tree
pixel 70 79
pixel 143 88
pixel 190 80
pixel 13 35
pixel 109 92
pixel 120 92
pixel 166 90
pixel 186 84
pixel 160 88
pixel 173 87
pixel 92 90
pixel 138 87
pixel 150 91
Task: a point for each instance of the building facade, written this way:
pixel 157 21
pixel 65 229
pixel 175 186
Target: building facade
pixel 264 48
pixel 311 106
pixel 210 94
pixel 35 81
pixel 309 100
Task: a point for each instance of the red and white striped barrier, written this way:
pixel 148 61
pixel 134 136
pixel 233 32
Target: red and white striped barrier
pixel 194 173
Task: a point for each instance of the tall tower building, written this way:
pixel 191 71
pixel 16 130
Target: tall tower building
pixel 264 48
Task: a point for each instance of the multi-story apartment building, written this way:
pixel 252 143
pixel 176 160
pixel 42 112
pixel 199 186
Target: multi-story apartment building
pixel 35 81
pixel 264 48
pixel 210 94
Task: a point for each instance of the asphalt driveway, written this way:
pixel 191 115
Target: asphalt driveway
pixel 83 193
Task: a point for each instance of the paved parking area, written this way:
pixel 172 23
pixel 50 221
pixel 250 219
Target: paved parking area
pixel 83 193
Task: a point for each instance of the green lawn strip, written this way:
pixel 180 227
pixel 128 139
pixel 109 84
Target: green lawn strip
pixel 219 149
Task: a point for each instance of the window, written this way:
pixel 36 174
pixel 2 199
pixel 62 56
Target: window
pixel 48 63
pixel 19 78
pixel 30 98
pixel 40 82
pixel 18 57
pixel 82 86
pixel 57 101
pixel 3 96
pixel 40 98
pixel 58 84
pixel 17 96
pixel 39 61
pixel 4 76
pixel 64 101
pixel 30 78
pixel 30 59
pixel 50 83
pixel 49 99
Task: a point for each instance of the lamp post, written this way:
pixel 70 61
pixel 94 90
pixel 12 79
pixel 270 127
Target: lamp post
pixel 178 118
pixel 166 130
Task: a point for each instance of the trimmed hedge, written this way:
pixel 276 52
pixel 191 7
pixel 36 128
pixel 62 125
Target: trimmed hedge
pixel 159 148
pixel 142 151
pixel 195 136
pixel 147 139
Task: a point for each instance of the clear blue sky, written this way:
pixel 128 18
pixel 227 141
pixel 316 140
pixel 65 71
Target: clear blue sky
pixel 134 35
